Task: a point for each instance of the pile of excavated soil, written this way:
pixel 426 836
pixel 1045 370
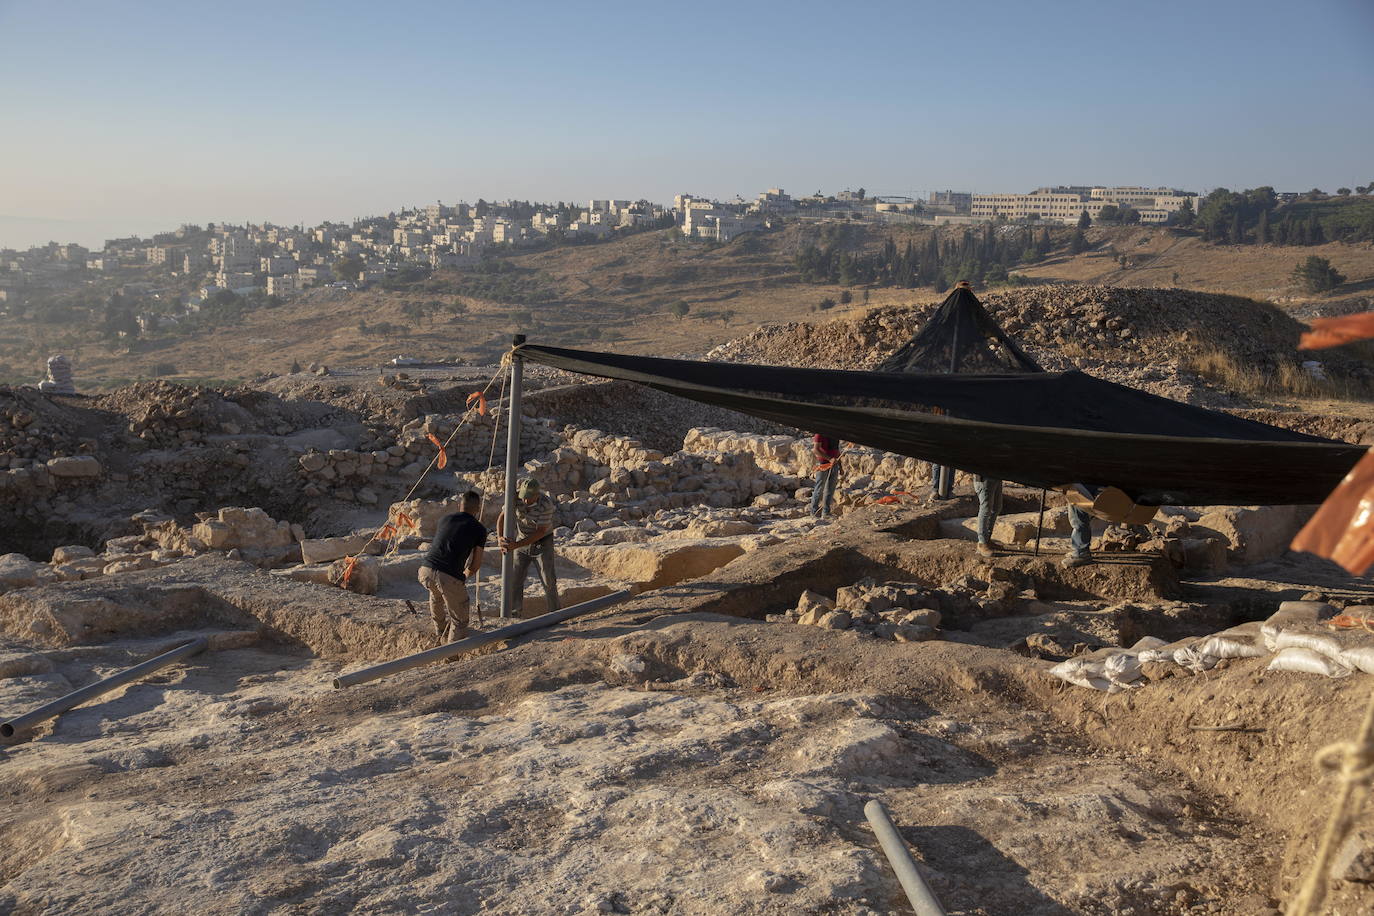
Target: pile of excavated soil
pixel 1145 338
pixel 1124 325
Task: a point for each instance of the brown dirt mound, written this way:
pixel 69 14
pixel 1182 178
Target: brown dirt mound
pixel 1060 325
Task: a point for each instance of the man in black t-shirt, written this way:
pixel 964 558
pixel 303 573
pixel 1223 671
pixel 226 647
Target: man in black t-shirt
pixel 454 553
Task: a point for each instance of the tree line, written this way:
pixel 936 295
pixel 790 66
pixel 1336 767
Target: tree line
pixel 1256 216
pixel 984 256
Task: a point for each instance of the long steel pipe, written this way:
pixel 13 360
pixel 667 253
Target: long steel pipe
pixel 922 898
pixel 514 407
pixel 479 640
pixel 77 697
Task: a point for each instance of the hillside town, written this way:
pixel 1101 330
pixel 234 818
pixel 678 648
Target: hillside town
pixel 281 261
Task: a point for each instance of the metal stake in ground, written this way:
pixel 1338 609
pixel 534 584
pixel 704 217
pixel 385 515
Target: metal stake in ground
pixel 1040 522
pixel 513 408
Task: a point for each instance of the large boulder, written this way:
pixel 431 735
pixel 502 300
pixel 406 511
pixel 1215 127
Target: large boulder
pixel 18 571
pixel 656 564
pixel 74 466
pixel 363 579
pixel 1253 534
pixel 323 550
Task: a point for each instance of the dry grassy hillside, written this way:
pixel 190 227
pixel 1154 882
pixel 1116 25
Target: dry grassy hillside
pixel 622 295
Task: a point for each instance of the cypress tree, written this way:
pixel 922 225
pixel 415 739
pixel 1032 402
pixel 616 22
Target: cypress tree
pixel 1237 234
pixel 1262 228
pixel 1317 235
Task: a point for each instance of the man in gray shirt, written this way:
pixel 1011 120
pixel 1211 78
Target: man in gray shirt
pixel 533 543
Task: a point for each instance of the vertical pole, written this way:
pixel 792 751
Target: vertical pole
pixel 1040 522
pixel 513 408
pixel 947 473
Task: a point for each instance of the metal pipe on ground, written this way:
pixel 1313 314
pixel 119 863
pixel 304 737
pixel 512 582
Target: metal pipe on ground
pixel 479 640
pixel 77 697
pixel 922 898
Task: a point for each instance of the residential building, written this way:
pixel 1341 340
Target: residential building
pixel 774 200
pixel 277 265
pixel 283 285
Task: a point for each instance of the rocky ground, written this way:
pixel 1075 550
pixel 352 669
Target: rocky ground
pixel 678 754
pixel 704 747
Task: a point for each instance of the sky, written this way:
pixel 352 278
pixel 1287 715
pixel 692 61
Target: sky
pixel 132 118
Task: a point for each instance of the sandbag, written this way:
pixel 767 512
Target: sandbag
pixel 1084 673
pixel 1292 614
pixel 1225 646
pixel 1123 670
pixel 1308 661
pixel 1194 659
pixel 1358 657
pixel 1323 643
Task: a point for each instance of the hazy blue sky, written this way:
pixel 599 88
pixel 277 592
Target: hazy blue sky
pixel 130 117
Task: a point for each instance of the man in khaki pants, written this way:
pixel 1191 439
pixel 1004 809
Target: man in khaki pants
pixel 454 554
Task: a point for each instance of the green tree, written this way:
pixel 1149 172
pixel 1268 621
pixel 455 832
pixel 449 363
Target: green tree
pixel 1079 243
pixel 1185 215
pixel 1316 275
pixel 1084 220
pixel 681 308
pixel 827 304
pixel 348 268
pixel 1109 214
pixel 1343 192
pixel 846 297
pixel 1262 228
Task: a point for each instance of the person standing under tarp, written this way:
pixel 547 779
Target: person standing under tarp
pixel 989 492
pixel 534 511
pixel 1080 538
pixel 827 454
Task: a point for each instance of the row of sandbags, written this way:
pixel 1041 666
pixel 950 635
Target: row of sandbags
pixel 1297 637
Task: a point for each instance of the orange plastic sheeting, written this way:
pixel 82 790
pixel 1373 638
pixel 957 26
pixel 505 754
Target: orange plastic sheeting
pixel 481 398
pixel 1332 332
pixel 1343 528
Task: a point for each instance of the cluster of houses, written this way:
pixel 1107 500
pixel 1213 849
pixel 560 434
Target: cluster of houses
pixel 281 261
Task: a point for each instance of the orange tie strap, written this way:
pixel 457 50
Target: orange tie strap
pixel 481 398
pixel 443 456
pixel 348 570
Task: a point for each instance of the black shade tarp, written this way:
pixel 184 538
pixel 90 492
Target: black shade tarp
pixel 960 337
pixel 1042 430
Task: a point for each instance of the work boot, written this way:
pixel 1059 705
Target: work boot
pixel 985 549
pixel 1078 559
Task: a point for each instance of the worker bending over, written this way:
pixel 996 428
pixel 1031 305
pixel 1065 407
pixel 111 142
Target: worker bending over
pixel 454 554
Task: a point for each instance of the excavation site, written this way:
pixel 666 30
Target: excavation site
pixel 997 605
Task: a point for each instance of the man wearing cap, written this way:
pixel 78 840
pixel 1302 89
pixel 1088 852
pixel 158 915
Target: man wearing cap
pixel 533 542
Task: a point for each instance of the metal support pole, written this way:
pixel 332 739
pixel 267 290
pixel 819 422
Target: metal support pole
pixel 77 697
pixel 922 898
pixel 479 640
pixel 1040 522
pixel 513 407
